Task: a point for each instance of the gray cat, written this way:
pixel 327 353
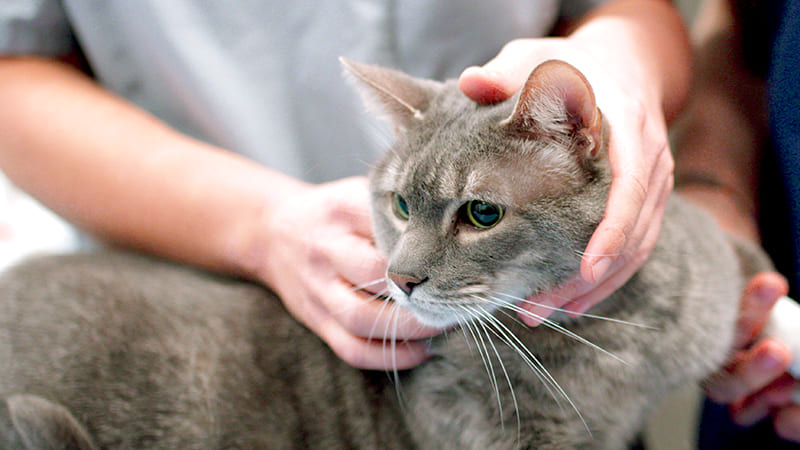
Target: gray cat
pixel 477 207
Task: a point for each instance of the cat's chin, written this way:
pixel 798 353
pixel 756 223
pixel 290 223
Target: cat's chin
pixel 429 317
pixel 441 322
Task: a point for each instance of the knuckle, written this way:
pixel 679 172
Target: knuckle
pixel 617 234
pixel 638 112
pixel 666 160
pixel 316 254
pixel 638 187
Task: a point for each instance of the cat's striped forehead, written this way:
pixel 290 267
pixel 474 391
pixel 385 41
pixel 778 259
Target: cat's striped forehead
pixel 516 174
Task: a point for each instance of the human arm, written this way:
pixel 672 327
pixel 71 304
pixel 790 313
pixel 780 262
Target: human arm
pixel 636 56
pixel 120 173
pixel 718 149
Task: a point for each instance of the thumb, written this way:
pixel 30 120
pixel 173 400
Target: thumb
pixel 760 295
pixel 501 77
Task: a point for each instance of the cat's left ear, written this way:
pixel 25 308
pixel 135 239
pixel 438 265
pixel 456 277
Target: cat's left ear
pixel 403 97
pixel 557 99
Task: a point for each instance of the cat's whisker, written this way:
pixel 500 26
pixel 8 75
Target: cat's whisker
pixel 381 296
pixel 554 326
pixel 463 327
pixel 587 315
pixel 386 338
pixel 485 355
pixel 363 286
pixel 505 374
pixel 368 165
pixel 582 253
pixel 523 352
pixel 395 373
pixel 372 330
pixel 505 334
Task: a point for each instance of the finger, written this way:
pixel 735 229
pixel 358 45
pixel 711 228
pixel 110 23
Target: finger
pixel 537 308
pixel 750 371
pixel 484 86
pixel 787 423
pixel 368 317
pixel 639 189
pixel 760 295
pixel 501 77
pixel 626 198
pixel 625 265
pixel 752 409
pixel 356 260
pixel 373 354
pixel 351 206
pixel 580 304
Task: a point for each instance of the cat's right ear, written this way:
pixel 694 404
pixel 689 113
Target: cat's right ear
pixel 558 100
pixel 403 97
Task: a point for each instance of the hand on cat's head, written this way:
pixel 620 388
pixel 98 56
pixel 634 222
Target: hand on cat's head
pixel 324 266
pixel 641 161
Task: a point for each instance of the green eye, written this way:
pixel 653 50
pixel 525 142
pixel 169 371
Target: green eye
pixel 483 215
pixel 400 206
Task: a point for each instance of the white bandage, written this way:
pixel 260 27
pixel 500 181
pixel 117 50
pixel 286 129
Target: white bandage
pixel 784 325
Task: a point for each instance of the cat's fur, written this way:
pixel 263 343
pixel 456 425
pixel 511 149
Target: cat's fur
pixel 147 354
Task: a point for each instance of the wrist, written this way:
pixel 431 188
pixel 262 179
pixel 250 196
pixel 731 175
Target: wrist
pixel 254 240
pixel 733 210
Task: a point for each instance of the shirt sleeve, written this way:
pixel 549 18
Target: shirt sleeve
pixel 575 9
pixel 34 27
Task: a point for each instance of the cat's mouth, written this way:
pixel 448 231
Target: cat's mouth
pixel 438 312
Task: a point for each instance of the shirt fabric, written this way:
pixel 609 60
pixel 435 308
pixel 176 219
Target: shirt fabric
pixel 262 78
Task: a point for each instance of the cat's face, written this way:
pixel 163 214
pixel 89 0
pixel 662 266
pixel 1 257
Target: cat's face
pixel 477 207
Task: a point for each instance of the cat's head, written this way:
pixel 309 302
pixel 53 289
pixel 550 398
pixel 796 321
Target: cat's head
pixel 478 206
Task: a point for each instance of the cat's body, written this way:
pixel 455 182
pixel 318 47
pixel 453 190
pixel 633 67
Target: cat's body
pixel 148 354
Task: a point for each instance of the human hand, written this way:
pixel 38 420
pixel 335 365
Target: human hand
pixel 640 159
pixel 319 250
pixel 754 382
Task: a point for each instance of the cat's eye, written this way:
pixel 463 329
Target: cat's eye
pixel 482 214
pixel 400 206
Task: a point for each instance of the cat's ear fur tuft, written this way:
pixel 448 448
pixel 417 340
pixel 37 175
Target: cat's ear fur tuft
pixel 557 99
pixel 403 97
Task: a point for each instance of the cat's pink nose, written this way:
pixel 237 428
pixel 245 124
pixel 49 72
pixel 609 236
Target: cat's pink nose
pixel 406 283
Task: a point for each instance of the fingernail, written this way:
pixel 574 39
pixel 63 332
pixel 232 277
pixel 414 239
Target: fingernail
pixel 599 269
pixel 768 363
pixel 766 294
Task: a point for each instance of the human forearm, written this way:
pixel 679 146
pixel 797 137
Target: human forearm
pixel 122 174
pixel 719 138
